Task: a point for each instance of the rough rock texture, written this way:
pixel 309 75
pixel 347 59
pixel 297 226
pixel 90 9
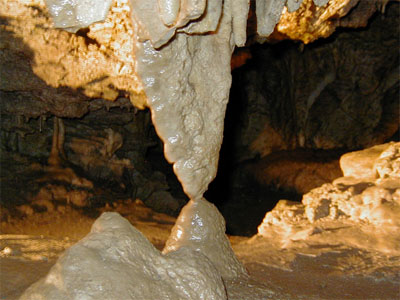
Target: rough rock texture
pixel 191 144
pixel 270 13
pixel 47 70
pixel 201 228
pixel 64 65
pixel 116 150
pixel 115 261
pixel 361 164
pixel 246 190
pixel 298 171
pixel 372 203
pixel 290 105
pixel 188 104
pixel 182 55
pixel 310 97
pixel 187 85
pixel 315 19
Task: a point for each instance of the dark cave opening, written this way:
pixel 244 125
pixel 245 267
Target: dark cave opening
pixel 242 198
pixel 315 124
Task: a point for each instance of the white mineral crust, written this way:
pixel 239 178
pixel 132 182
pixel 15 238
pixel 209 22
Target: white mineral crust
pixel 115 261
pixel 72 15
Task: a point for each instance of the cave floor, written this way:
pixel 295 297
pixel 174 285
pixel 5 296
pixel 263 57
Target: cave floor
pixel 30 246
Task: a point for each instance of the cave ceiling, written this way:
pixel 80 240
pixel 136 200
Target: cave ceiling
pixel 50 71
pixel 309 78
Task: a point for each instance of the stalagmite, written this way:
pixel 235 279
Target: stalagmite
pixel 183 56
pixel 201 227
pixel 115 261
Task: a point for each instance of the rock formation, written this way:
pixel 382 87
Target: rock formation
pixel 175 58
pixel 115 261
pixel 367 195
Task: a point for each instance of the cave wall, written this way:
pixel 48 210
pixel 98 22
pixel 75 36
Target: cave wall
pixel 293 95
pixel 295 109
pixel 106 156
pixel 289 95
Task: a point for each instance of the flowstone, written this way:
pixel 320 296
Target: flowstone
pixel 201 228
pixel 182 56
pixel 115 261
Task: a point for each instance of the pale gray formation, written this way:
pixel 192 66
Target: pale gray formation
pixel 187 88
pixel 201 228
pixel 268 15
pixel 293 5
pixel 321 2
pixel 71 15
pixel 115 261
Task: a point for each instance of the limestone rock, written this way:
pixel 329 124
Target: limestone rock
pixel 98 153
pixel 196 94
pixel 77 14
pixel 298 170
pixel 272 12
pixel 350 212
pixel 388 163
pixel 310 98
pixel 59 68
pixel 115 261
pixel 360 164
pixel 188 104
pixel 315 19
pixel 163 201
pixel 367 196
pixel 201 228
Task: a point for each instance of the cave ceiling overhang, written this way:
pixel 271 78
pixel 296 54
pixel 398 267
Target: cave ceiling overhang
pixel 59 72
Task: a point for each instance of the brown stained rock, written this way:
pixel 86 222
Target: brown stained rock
pixel 299 170
pixel 311 96
pixel 311 22
pixel 50 70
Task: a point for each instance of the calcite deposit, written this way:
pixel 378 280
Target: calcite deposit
pixel 77 14
pixel 367 197
pixel 173 57
pixel 196 91
pixel 201 228
pixel 195 95
pixel 115 261
pixel 309 20
pixel 47 70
